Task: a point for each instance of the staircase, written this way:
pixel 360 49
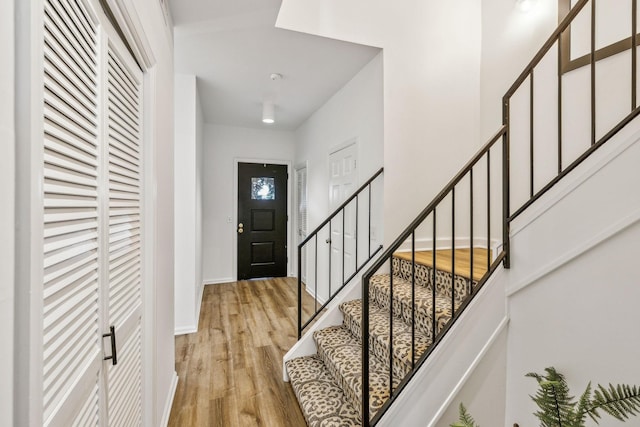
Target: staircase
pixel 412 297
pixel 328 385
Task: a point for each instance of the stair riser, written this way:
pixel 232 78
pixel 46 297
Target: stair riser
pixel 424 277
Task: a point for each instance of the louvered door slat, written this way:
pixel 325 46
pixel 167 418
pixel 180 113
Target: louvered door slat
pixel 71 343
pixel 125 297
pixel 63 75
pixel 89 414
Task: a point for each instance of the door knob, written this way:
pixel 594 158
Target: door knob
pixel 240 231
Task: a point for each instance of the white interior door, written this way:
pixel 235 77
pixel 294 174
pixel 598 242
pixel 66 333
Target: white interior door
pixel 91 253
pixel 123 282
pixel 342 183
pixel 71 336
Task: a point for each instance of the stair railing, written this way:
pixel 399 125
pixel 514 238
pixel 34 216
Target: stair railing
pixel 347 217
pixel 429 222
pixel 475 185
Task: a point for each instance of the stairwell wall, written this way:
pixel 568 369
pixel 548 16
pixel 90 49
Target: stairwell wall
pixel 577 263
pixel 354 113
pixel 431 87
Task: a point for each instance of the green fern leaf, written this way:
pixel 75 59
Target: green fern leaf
pixel 621 402
pixel 466 420
pixel 553 399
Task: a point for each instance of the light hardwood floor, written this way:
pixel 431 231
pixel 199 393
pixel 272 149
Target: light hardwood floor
pixel 230 371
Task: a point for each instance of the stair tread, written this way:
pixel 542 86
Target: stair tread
pixel 321 399
pixel 379 292
pixel 342 354
pixel 379 335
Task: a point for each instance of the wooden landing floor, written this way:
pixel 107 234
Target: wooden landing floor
pixel 230 371
pixel 444 258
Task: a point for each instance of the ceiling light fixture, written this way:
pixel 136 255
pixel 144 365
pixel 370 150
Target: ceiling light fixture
pixel 268 110
pixel 526 5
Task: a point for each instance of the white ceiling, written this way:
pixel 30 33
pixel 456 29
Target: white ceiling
pixel 233 47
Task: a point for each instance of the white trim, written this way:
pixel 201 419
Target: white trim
pixel 234 254
pixel 207 282
pixel 149 252
pixel 129 22
pixel 465 377
pixel 294 227
pixel 349 142
pixel 185 330
pixel 578 250
pixel 166 413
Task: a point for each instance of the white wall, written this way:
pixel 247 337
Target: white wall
pixel 7 195
pixel 353 114
pixel 576 258
pixel 188 204
pixel 222 146
pixel 483 393
pixel 510 39
pixel 161 378
pixel 431 87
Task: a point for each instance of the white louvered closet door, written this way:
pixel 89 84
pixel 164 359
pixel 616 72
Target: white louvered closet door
pixel 71 336
pixel 124 308
pixel 92 192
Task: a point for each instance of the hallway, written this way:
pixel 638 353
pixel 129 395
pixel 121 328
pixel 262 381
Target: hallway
pixel 230 371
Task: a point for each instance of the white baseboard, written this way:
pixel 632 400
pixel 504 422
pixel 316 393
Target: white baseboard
pixel 188 329
pixel 218 281
pixel 169 402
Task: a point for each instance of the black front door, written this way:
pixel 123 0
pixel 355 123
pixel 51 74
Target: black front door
pixel 262 220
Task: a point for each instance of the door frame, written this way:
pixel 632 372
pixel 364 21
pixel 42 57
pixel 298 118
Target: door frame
pixel 294 225
pixel 234 224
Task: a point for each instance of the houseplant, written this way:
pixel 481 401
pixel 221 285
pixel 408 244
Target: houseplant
pixel 558 409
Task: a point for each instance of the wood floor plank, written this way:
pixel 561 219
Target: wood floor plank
pixel 230 371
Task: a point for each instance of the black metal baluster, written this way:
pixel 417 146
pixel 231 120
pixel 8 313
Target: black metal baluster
pixel 344 210
pixel 559 106
pixel 531 163
pixel 315 271
pixel 593 72
pixel 489 208
pixel 634 53
pixel 506 220
pixel 391 327
pixel 365 351
pixel 413 299
pixel 433 280
pixel 453 252
pixel 330 256
pixel 471 252
pixel 357 236
pixel 369 220
pixel 299 292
